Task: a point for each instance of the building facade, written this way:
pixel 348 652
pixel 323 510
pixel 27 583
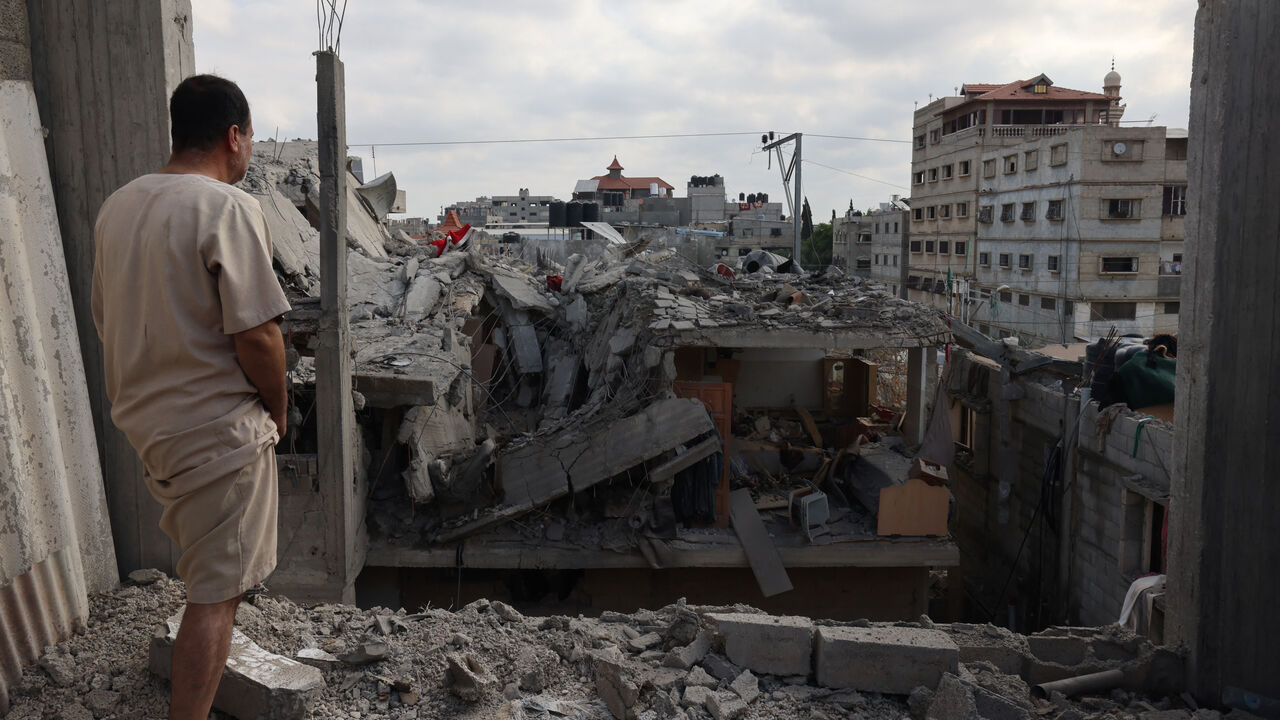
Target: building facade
pixel 1033 213
pixel 519 209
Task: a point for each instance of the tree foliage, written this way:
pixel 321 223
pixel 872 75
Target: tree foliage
pixel 806 221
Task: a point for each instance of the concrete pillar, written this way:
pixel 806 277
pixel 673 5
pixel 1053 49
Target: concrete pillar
pixel 103 73
pixel 1223 545
pixel 343 514
pixel 920 377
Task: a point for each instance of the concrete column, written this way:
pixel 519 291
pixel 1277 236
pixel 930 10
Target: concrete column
pixel 920 372
pixel 334 411
pixel 1224 550
pixel 103 72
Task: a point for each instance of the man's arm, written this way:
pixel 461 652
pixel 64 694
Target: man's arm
pixel 260 351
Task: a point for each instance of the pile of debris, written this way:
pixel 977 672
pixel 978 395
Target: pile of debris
pixel 489 660
pixel 509 384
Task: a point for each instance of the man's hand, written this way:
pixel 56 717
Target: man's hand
pixel 260 351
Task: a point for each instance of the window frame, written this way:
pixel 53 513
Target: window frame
pixel 1026 261
pixel 1112 205
pixel 1135 264
pixel 1006 260
pixel 965 168
pixel 1058 154
pixel 984 258
pixel 1054 264
pixel 1006 212
pixel 1059 205
pixel 1028 212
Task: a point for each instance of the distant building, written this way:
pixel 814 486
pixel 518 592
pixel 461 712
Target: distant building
pixel 519 209
pixel 1009 181
pixel 872 245
pixel 613 189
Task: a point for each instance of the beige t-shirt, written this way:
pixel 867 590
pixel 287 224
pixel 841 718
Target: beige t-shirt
pixel 183 262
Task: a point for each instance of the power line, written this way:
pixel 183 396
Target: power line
pixel 854 137
pixel 864 177
pixel 509 141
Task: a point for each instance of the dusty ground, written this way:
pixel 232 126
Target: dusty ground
pixel 540 667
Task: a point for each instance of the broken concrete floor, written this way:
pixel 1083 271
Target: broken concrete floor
pixel 488 660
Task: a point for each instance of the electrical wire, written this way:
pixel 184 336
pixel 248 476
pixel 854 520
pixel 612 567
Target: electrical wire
pixel 585 138
pixel 850 172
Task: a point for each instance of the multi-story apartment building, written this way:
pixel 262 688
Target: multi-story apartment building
pixel 872 245
pixel 520 209
pixel 1080 232
pixel 995 154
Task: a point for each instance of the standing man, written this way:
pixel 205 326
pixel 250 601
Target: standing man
pixel 188 309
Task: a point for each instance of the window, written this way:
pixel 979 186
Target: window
pixel 1010 164
pixel 917 214
pixel 864 237
pixel 944 211
pixel 1171 308
pixel 1121 209
pixel 989 168
pixel 933 212
pixel 918 179
pixel 775 232
pixel 1006 296
pixel 1048 303
pixel 964 168
pixel 985 212
pixel 933 174
pixel 1024 300
pixel 1069 308
pixel 961 247
pixel 913 281
pixel 1052 263
pixel 944 247
pixel 864 263
pixel 1024 262
pixel 1115 310
pixel 947 171
pixel 928 246
pixel 1006 212
pixel 1030 159
pixel 1175 201
pixel 1175 149
pixel 1029 211
pixel 895 227
pixel 1058 154
pixel 935 135
pixel 984 259
pixel 915 246
pixel 985 329
pixel 877 227
pixel 919 142
pixel 747 232
pixel 1055 210
pixel 895 261
pixel 962 209
pixel 1118 265
pixel 1004 260
pixel 1040 88
pixel 927 285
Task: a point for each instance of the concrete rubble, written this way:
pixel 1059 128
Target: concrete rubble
pixel 487 659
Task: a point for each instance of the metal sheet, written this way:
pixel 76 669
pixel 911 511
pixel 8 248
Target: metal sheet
pixel 41 608
pixel 606 230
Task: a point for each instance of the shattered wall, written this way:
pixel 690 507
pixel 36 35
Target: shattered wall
pixel 1118 483
pixel 55 539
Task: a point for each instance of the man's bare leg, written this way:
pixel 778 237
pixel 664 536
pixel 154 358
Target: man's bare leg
pixel 199 656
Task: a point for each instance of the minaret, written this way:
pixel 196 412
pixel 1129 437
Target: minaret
pixel 1111 88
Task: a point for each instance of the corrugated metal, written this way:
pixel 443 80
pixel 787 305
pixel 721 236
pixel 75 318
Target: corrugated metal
pixel 41 608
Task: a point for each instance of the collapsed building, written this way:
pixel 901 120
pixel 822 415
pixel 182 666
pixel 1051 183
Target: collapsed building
pixel 620 401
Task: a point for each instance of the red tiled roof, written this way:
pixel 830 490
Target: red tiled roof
pixel 626 183
pixel 1021 90
pixel 614 165
pixel 451 222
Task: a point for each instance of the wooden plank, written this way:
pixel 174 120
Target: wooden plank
pixel 763 557
pixel 810 426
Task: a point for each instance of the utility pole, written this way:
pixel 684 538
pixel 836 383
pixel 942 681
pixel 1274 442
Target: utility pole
pixel 335 414
pixel 789 168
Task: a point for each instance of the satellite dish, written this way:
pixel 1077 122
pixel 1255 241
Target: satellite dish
pixel 1119 148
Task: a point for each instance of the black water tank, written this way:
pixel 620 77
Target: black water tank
pixel 590 212
pixel 556 214
pixel 742 197
pixel 574 212
pixel 763 197
pixel 751 198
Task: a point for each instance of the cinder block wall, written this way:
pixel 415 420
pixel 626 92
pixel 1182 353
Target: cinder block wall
pixel 1111 491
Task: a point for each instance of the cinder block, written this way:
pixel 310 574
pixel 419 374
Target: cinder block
pixel 768 644
pixel 255 683
pixel 884 659
pixel 1058 649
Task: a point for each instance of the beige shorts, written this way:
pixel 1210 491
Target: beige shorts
pixel 226 529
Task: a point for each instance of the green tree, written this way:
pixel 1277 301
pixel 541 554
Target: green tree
pixel 806 221
pixel 816 252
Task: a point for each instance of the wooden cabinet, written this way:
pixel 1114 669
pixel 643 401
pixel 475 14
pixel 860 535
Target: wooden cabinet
pixel 718 397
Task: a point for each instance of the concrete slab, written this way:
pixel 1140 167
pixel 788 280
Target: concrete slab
pixel 768 644
pixel 255 683
pixel 890 660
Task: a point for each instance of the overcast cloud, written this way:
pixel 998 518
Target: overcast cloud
pixel 490 70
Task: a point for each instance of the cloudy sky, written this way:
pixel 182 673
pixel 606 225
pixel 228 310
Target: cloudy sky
pixel 485 70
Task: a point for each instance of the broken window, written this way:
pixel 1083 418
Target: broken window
pixel 985 212
pixel 1175 201
pixel 1119 265
pixel 1121 209
pixel 1030 159
pixel 989 168
pixel 1010 164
